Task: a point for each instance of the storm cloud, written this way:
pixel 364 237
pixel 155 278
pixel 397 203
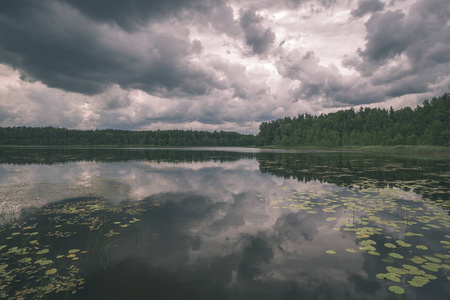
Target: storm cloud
pixel 367 6
pixel 214 65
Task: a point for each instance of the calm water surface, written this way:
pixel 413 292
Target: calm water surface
pixel 217 223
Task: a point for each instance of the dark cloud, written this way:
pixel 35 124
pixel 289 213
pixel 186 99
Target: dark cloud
pixel 132 14
pixel 257 36
pixel 386 36
pixel 367 6
pixel 315 81
pixel 54 43
pixel 297 3
pixel 422 33
pixel 406 53
pixel 256 253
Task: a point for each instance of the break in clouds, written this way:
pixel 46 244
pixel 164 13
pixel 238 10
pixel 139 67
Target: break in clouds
pixel 215 65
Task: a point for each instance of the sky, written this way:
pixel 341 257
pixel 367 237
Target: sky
pixel 215 64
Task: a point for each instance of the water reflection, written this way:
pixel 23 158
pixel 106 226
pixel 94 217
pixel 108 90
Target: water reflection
pixel 227 226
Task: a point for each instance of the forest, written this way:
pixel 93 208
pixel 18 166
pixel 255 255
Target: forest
pixel 63 136
pixel 427 124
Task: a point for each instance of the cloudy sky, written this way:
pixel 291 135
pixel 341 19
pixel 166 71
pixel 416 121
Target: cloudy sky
pixel 215 64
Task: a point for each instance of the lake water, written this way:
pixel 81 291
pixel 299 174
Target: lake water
pixel 221 223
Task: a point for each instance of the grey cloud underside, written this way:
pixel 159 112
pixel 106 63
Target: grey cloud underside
pixel 56 44
pixel 405 53
pixel 92 47
pixel 367 6
pixel 419 41
pixel 256 36
pixel 134 13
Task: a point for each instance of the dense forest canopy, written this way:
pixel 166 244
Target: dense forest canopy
pixel 62 136
pixel 428 124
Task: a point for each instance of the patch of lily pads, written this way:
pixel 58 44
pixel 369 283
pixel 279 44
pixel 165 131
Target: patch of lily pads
pixel 35 259
pixel 399 220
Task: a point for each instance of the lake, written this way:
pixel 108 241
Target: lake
pixel 222 223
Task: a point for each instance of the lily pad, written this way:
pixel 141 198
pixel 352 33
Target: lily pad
pixel 51 271
pixel 397 290
pixel 396 255
pixel 330 252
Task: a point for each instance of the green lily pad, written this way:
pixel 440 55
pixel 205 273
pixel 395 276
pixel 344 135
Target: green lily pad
pixel 418 260
pixel 43 251
pixel 390 245
pixel 403 244
pixel 397 290
pixel 433 259
pixel 51 271
pixel 422 247
pixel 396 255
pixel 351 250
pixel 330 252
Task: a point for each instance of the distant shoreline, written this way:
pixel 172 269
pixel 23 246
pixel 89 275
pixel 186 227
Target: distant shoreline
pixel 436 151
pixel 440 151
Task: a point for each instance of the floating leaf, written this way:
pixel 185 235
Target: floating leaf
pixel 430 276
pixel 403 244
pixel 413 234
pixel 51 271
pixel 418 260
pixel 396 289
pixel 390 245
pixel 393 277
pixel 351 250
pixel 330 219
pixel 374 253
pixel 43 251
pixel 422 247
pixel 330 252
pixel 73 251
pixel 25 260
pixel 432 259
pixel 396 255
pixel 431 267
pixel 368 242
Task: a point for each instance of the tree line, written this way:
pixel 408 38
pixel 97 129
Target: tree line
pixel 428 124
pixel 63 136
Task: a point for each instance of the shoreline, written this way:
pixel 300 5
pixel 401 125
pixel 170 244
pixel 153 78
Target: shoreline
pixel 440 151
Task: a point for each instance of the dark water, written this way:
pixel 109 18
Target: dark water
pixel 222 224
